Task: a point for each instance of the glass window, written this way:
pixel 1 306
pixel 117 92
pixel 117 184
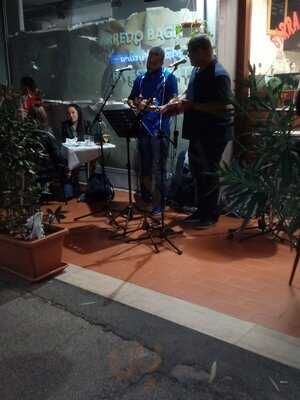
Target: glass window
pixel 72 48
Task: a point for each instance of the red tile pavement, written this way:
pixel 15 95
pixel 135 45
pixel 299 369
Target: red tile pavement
pixel 247 280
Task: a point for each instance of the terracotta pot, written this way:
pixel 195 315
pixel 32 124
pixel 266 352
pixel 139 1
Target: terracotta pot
pixel 33 260
pixel 188 28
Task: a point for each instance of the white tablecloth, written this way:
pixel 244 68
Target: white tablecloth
pixel 81 154
pixel 296 133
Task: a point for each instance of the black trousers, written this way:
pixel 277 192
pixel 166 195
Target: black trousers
pixel 205 154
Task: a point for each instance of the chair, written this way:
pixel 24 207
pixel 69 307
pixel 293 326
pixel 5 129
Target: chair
pixel 52 178
pixel 85 168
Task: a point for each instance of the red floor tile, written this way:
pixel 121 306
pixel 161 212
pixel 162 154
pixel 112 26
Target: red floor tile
pixel 248 280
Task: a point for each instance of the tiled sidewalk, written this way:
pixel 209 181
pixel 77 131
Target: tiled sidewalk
pixel 246 280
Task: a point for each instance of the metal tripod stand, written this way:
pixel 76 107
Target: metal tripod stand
pixel 160 229
pixel 98 119
pixel 131 209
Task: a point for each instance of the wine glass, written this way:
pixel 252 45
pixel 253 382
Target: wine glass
pixel 105 137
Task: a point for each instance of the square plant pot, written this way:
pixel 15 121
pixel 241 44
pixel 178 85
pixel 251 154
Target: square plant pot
pixel 34 260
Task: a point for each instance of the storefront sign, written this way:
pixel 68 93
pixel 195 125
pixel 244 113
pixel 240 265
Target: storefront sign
pixel 289 26
pixel 130 57
pixel 135 38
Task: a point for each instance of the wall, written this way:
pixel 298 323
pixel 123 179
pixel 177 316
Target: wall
pixel 227 35
pixel 49 18
pixel 131 6
pixel 41 18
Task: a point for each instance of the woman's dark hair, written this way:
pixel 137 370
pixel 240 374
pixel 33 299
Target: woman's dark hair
pixel 28 83
pixel 39 114
pixel 80 123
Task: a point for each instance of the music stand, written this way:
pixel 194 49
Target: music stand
pixel 126 124
pixel 98 119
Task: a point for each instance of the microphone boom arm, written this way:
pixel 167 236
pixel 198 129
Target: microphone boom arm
pixel 112 88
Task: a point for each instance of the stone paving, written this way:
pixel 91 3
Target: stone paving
pixel 58 342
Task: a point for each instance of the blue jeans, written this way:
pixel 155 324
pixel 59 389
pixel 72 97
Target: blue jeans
pixel 153 154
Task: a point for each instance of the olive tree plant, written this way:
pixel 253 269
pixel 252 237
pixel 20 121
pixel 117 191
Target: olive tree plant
pixel 21 151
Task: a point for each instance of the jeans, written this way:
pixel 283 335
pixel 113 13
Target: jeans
pixel 153 154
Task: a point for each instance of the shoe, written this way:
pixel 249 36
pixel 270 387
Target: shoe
pixel 194 218
pixel 206 223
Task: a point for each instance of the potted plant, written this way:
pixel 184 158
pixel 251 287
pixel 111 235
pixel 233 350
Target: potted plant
pixel 21 152
pixel 192 28
pixel 265 186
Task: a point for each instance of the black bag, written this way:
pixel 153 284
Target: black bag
pixel 99 189
pixel 182 190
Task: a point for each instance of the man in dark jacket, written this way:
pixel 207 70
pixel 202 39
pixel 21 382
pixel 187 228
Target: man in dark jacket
pixel 207 125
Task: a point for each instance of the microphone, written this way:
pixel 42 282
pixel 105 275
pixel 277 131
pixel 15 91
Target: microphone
pixel 128 68
pixel 176 63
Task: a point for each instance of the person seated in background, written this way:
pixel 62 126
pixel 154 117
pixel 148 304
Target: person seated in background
pixel 31 95
pixel 53 163
pixel 75 126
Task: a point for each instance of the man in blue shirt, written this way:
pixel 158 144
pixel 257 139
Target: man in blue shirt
pixel 160 86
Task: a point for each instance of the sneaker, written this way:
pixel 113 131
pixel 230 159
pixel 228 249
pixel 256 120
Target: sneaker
pixel 156 210
pixel 81 198
pixel 194 218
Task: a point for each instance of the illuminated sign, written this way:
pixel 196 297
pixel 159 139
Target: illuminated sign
pixel 130 57
pixel 168 32
pixel 289 26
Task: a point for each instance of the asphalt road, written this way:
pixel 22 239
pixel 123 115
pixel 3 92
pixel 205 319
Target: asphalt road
pixel 58 342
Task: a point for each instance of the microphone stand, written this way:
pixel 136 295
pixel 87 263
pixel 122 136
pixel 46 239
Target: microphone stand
pixel 132 208
pixel 98 119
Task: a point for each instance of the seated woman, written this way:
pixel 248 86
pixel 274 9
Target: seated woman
pixel 54 163
pixel 75 126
